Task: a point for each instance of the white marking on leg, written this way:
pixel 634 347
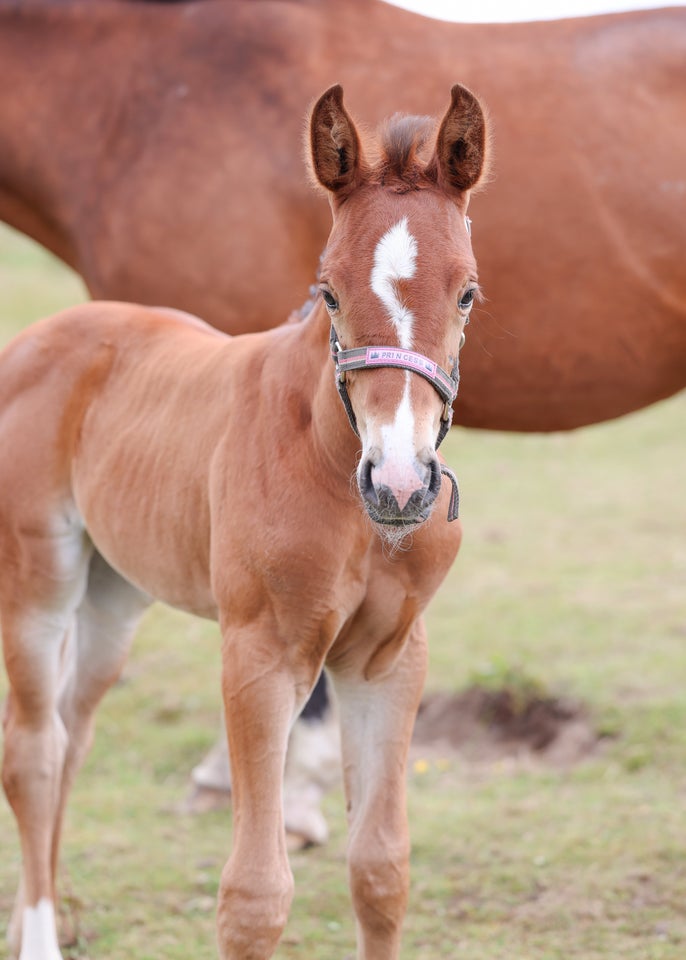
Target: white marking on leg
pixel 39 934
pixel 395 258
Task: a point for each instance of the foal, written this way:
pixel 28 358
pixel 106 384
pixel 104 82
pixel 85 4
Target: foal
pixel 144 455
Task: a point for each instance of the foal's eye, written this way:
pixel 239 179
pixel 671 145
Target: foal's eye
pixel 467 298
pixel 329 300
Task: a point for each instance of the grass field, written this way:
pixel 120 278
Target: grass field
pixel 571 576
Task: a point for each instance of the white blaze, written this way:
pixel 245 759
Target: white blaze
pixel 395 259
pixel 398 437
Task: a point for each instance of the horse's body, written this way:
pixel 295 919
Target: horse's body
pixel 143 455
pixel 127 158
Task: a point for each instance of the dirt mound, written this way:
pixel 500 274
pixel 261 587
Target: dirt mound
pixel 484 725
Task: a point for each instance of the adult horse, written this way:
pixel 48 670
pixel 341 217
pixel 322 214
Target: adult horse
pixel 126 129
pixel 129 434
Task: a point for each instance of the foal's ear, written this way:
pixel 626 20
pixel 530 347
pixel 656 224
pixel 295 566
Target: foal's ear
pixel 337 160
pixel 458 160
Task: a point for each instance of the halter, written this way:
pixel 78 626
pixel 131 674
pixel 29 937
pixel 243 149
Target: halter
pixel 444 383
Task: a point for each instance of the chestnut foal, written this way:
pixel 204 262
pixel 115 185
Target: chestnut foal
pixel 144 455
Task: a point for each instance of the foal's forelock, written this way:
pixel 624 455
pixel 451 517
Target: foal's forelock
pixel 403 149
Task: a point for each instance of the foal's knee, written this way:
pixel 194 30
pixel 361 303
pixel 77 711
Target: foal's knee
pixel 379 883
pixel 252 913
pixel 32 761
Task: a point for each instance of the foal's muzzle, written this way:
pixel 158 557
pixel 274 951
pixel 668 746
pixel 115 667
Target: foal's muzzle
pixel 382 504
pixel 379 499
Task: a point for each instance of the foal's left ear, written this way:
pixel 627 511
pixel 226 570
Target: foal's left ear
pixel 337 159
pixel 458 161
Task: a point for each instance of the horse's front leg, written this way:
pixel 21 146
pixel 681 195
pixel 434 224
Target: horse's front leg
pixel 262 695
pixel 377 718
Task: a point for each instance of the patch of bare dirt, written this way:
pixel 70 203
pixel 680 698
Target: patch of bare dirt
pixel 483 725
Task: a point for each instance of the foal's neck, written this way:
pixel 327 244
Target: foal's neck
pixel 306 364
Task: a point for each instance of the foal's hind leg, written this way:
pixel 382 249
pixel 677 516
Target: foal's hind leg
pixel 42 581
pixel 92 657
pixel 105 625
pixel 377 718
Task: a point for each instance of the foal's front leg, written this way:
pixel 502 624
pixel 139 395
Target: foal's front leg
pixel 262 696
pixel 377 718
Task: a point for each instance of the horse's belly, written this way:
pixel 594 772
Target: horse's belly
pixel 151 528
pixel 170 576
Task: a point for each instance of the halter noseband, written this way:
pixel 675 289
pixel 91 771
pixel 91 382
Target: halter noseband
pixel 444 383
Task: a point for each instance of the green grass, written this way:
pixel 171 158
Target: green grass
pixel 572 573
pixel 33 283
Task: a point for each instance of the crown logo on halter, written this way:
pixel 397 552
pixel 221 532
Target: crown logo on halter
pixel 408 359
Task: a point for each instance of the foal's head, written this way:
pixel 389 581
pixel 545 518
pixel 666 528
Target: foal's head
pixel 398 273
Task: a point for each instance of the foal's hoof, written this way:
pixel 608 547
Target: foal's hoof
pixel 296 843
pixel 305 823
pixel 204 800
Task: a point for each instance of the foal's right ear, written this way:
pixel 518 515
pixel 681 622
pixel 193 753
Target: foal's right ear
pixel 335 148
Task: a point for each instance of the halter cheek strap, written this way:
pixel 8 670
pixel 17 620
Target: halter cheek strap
pixel 444 383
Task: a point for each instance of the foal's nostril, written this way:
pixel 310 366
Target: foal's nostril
pixel 434 485
pixel 365 482
pixel 424 497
